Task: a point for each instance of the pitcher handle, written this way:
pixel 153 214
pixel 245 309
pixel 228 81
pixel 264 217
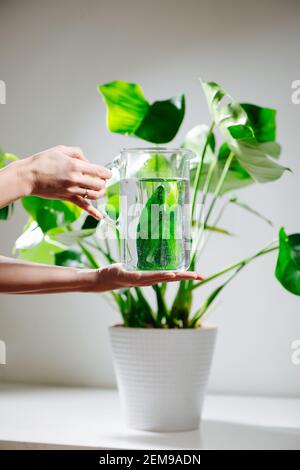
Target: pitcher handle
pixel 114 165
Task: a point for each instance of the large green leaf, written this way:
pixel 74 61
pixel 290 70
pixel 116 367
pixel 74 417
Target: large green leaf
pixel 50 213
pixel 262 121
pixel 34 245
pixel 128 112
pixel 162 121
pixel 246 135
pixel 70 258
pixel 2 159
pixel 31 237
pixel 72 237
pixel 195 141
pixel 237 176
pixel 288 263
pixel 126 106
pixel 6 212
pixel 44 252
pixel 6 158
pixel 90 222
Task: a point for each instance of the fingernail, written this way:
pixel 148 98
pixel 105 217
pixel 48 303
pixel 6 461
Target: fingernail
pixel 108 173
pixel 97 215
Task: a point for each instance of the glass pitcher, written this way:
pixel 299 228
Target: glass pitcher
pixel 154 210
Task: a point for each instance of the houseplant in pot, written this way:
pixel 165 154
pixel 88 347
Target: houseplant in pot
pixel 163 349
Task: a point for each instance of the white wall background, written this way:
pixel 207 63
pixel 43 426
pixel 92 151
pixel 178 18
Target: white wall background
pixel 52 56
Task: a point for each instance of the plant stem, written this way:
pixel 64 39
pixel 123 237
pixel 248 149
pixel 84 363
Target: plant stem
pixel 242 262
pixel 219 185
pixel 108 251
pixel 162 308
pixel 92 260
pixel 104 253
pixel 215 197
pixel 222 210
pixel 203 309
pixel 199 169
pixel 94 264
pixel 200 224
pixel 147 310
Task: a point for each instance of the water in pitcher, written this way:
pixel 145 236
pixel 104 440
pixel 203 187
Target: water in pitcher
pixel 154 233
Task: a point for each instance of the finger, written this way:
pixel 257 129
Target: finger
pixel 153 283
pixel 172 277
pixel 86 193
pixel 85 205
pixel 75 152
pixel 138 278
pixel 87 182
pixel 188 276
pixel 148 280
pixel 150 275
pixel 93 170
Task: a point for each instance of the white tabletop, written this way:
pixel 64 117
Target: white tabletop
pixel 51 417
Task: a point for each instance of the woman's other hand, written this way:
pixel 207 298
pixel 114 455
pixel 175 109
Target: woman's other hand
pixel 116 277
pixel 64 173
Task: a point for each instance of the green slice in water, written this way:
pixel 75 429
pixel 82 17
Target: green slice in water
pixel 157 246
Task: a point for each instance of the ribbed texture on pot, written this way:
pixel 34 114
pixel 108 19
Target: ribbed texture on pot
pixel 162 375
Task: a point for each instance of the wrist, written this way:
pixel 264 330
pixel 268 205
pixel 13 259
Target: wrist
pixel 87 280
pixel 24 175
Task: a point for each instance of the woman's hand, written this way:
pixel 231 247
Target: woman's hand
pixel 64 173
pixel 22 277
pixel 115 277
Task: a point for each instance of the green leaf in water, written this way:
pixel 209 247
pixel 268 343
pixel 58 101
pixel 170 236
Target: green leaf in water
pixel 157 246
pixel 112 206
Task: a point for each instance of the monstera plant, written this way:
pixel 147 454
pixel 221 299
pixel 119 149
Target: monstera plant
pixel 246 154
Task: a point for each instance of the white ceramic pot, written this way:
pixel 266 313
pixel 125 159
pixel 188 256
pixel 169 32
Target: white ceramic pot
pixel 162 375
